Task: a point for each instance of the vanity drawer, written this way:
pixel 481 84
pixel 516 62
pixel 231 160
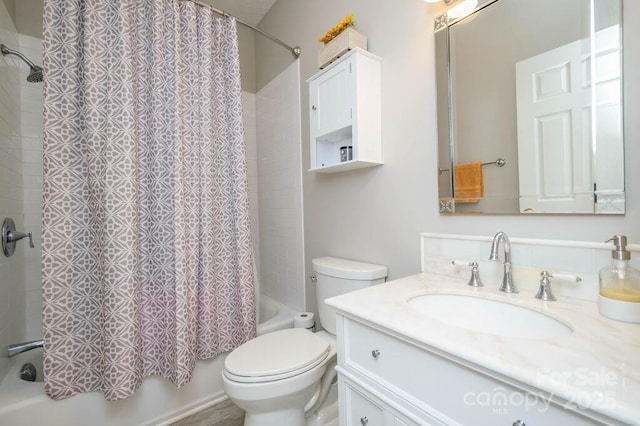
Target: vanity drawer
pixel 360 407
pixel 361 410
pixel 398 366
pixel 448 390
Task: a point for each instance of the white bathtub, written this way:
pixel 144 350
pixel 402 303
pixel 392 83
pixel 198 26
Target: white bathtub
pixel 157 402
pixel 274 316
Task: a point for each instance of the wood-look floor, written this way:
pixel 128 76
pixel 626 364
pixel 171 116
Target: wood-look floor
pixel 223 414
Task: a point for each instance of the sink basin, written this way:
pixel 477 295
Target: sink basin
pixel 488 316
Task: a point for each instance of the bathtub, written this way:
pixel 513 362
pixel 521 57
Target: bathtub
pixel 273 316
pixel 157 401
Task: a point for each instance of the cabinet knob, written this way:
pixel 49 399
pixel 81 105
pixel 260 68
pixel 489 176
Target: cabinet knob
pixel 519 423
pixel 364 420
pixel 313 107
pixel 375 353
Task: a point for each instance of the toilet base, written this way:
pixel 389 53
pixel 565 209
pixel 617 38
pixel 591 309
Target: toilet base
pixel 327 414
pixel 276 403
pixel 285 417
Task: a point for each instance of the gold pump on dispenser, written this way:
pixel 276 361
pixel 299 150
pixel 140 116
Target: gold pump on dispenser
pixel 620 285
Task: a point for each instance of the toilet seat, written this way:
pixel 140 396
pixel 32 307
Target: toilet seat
pixel 276 356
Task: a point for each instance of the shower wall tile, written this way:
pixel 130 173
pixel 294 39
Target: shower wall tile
pixel 31 128
pixel 34 313
pixel 9 113
pixel 280 189
pixel 31 47
pixel 12 285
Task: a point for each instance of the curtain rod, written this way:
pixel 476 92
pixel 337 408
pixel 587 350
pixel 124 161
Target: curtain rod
pixel 294 50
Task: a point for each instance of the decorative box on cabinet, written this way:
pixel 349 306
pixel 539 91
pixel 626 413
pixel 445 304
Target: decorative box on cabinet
pixel 345 113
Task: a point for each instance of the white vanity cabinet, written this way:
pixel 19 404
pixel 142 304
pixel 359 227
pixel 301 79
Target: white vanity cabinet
pixel 386 379
pixel 363 408
pixel 345 114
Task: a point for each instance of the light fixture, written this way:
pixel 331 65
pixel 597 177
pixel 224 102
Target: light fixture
pixel 459 10
pixel 462 9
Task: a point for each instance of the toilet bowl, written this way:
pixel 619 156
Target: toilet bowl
pixel 276 386
pixel 283 377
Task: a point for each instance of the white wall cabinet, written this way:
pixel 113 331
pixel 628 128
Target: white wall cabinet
pixel 389 380
pixel 345 113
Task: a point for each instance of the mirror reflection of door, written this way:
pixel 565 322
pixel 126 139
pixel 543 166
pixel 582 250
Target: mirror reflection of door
pixel 556 146
pixel 554 143
pixel 608 168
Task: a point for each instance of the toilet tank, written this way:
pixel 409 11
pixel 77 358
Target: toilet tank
pixel 338 276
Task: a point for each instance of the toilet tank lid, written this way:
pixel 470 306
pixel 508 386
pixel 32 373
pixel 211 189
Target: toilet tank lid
pixel 348 269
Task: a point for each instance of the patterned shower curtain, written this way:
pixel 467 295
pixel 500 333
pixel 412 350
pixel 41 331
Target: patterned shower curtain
pixel 147 262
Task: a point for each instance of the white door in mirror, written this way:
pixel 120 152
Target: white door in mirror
pixel 554 149
pixel 557 135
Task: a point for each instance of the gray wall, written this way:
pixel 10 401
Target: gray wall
pixel 246 46
pixel 29 17
pixel 376 214
pixel 10 9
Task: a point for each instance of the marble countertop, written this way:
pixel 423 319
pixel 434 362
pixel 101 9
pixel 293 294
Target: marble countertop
pixel 596 367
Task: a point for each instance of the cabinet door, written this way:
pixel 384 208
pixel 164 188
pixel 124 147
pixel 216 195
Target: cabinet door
pixel 331 97
pixel 403 422
pixel 361 411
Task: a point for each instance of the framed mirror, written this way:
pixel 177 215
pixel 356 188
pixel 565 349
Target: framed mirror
pixel 530 108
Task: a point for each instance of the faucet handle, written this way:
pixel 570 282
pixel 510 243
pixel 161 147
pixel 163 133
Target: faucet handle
pixel 544 292
pixel 565 277
pixel 475 280
pixel 10 237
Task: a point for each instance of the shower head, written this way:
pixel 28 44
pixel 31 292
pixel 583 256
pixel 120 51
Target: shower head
pixel 35 74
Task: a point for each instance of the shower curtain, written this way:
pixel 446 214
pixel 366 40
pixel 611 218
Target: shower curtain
pixel 147 262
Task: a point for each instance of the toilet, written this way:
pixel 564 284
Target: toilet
pixel 283 377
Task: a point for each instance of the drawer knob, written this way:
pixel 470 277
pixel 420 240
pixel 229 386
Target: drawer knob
pixel 519 423
pixel 364 420
pixel 375 353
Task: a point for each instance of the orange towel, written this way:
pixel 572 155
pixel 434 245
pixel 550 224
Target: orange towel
pixel 467 178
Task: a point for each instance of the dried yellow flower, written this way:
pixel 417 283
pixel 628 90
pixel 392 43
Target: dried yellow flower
pixel 333 32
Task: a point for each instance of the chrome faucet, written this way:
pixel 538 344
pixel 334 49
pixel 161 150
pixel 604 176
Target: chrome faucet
pixel 544 292
pixel 507 285
pixel 18 348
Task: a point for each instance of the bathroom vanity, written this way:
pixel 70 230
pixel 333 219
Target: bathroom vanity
pixel 477 356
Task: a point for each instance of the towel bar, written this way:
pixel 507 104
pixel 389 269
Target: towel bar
pixel 498 163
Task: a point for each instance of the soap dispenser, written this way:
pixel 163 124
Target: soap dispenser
pixel 620 285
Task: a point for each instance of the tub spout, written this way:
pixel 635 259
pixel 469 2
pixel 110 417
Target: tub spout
pixel 18 348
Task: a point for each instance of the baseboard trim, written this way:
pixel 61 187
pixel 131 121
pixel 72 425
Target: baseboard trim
pixel 188 410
